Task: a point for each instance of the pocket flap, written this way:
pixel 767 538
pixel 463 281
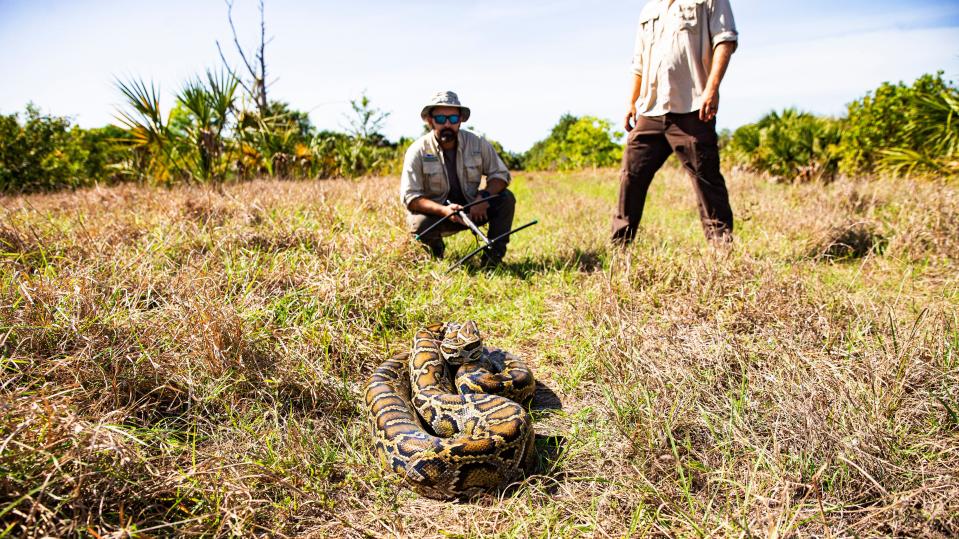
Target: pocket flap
pixel 648 15
pixel 432 167
pixel 475 159
pixel 690 6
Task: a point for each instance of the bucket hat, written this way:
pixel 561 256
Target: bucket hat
pixel 445 99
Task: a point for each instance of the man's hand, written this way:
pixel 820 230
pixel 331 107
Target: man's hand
pixel 631 118
pixel 710 105
pixel 453 209
pixel 478 213
pixel 630 121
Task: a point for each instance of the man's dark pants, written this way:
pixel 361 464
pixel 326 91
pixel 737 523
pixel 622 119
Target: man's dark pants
pixel 500 215
pixel 648 146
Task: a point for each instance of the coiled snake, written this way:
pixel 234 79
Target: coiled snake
pixel 446 444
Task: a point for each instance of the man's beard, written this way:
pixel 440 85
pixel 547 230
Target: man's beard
pixel 447 135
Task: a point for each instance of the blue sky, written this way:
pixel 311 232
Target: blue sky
pixel 519 65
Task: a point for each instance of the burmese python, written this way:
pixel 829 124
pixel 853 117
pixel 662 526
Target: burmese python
pixel 446 444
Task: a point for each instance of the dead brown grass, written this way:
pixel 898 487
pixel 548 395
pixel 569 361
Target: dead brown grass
pixel 181 362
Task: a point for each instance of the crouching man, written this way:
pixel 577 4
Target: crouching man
pixel 443 171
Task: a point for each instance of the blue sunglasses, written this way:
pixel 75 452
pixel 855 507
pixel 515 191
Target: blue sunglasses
pixel 441 118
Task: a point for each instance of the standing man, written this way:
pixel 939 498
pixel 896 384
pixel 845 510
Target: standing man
pixel 443 171
pixel 682 51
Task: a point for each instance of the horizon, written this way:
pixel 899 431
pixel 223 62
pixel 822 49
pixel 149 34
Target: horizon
pixel 515 66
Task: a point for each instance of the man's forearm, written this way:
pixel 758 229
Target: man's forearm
pixel 637 89
pixel 427 207
pixel 495 186
pixel 721 56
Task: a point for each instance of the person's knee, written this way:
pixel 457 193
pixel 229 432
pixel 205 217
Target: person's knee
pixel 507 199
pixel 638 167
pixel 418 223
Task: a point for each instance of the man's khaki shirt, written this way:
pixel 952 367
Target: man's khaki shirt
pixel 424 168
pixel 674 52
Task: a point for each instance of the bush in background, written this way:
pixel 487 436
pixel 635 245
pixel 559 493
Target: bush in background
pixel 275 143
pixel 345 156
pixel 105 150
pixel 44 152
pixel 904 129
pixel 792 145
pixel 576 143
pixel 897 129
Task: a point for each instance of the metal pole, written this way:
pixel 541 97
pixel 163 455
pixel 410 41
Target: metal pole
pixel 471 225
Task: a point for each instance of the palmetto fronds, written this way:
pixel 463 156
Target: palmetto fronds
pixel 150 134
pixel 142 117
pixel 790 145
pixel 211 100
pixel 189 144
pixel 210 103
pixel 934 128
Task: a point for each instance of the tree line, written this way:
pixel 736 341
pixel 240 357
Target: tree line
pixel 218 130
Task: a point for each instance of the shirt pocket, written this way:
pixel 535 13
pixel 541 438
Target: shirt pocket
pixel 474 171
pixel 435 182
pixel 647 23
pixel 689 14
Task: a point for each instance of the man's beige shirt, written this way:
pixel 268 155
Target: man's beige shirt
pixel 424 168
pixel 674 52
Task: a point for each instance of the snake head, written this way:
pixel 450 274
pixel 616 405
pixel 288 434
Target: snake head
pixel 462 343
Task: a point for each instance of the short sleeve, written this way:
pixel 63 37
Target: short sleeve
pixel 722 26
pixel 638 49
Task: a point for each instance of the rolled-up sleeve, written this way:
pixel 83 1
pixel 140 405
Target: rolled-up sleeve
pixel 722 26
pixel 412 183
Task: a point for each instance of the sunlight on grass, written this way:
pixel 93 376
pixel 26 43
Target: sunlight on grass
pixel 191 363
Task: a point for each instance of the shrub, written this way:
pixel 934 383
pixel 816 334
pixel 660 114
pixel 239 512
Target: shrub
pixel 791 145
pixel 904 129
pixel 932 128
pixel 897 128
pixel 191 142
pixel 576 143
pixel 208 107
pixel 153 144
pixel 44 152
pixel 105 152
pixel 345 156
pixel 277 145
pixel 39 153
pixel 365 120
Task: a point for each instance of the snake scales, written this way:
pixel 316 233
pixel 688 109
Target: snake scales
pixel 447 418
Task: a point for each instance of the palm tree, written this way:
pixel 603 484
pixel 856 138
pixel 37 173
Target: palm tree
pixel 149 133
pixel 210 103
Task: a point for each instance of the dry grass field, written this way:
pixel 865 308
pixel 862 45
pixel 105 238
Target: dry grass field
pixel 181 362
